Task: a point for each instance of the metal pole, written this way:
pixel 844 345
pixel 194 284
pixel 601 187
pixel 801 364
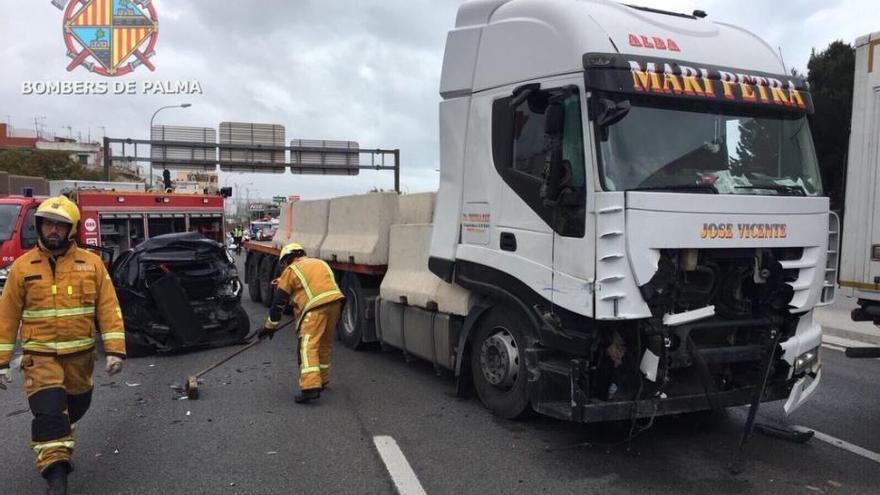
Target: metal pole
pixel 107 162
pixel 397 171
pixel 150 136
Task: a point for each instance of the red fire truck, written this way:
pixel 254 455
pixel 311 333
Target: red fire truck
pixel 121 220
pixel 112 221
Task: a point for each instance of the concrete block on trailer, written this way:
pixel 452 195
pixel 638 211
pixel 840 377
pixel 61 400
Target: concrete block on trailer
pixel 358 228
pixel 308 225
pixel 408 275
pixel 416 208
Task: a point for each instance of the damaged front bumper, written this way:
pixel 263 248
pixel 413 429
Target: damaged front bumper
pixel 806 340
pixel 549 383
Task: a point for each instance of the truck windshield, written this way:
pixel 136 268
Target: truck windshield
pixel 706 148
pixel 8 216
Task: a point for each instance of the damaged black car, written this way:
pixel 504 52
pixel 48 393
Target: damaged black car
pixel 177 292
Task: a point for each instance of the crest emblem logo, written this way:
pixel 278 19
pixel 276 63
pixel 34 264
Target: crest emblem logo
pixel 109 37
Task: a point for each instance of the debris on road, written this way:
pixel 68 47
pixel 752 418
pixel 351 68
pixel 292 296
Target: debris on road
pixel 16 413
pixel 132 384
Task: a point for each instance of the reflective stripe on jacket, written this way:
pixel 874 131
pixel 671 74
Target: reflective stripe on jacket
pixel 311 283
pixel 58 309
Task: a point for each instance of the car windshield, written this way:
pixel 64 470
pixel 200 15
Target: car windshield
pixel 8 216
pixel 708 148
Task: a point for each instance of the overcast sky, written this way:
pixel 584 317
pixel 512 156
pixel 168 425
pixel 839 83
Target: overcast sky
pixel 361 70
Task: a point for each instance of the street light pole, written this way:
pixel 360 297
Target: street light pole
pixel 150 137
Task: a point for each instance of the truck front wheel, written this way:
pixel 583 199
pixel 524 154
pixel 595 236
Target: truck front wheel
pixel 498 364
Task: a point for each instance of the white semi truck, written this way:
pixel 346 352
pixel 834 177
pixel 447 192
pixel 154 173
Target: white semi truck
pixel 860 252
pixel 630 220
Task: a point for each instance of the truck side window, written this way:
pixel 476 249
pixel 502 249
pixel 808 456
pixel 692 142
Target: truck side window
pixel 519 148
pixel 29 230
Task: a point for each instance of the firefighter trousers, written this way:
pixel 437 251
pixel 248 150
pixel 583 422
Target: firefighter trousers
pixel 316 333
pixel 59 390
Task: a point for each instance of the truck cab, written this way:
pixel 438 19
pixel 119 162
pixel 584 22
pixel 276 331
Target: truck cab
pixel 17 230
pixel 640 188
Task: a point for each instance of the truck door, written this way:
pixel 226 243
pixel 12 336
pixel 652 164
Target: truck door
pixel 29 234
pixel 872 162
pixel 547 241
pixel 573 249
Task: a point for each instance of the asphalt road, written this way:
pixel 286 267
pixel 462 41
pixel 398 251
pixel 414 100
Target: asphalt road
pixel 246 435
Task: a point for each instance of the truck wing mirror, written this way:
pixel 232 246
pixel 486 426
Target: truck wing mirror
pixel 554 119
pixel 610 112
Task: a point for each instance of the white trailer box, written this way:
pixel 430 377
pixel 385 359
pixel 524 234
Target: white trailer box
pixel 860 261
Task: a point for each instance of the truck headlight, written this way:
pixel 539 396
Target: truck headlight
pixel 807 362
pixel 4 272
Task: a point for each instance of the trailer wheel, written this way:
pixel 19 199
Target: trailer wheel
pixel 253 277
pixel 350 326
pixel 498 364
pixel 267 274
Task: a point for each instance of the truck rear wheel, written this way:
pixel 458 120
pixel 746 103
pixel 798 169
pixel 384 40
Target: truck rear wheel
pixel 253 277
pixel 498 364
pixel 267 274
pixel 351 322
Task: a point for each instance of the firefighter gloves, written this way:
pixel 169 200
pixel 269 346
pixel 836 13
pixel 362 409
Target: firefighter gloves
pixel 114 365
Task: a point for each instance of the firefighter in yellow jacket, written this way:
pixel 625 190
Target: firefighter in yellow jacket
pixel 317 302
pixel 54 296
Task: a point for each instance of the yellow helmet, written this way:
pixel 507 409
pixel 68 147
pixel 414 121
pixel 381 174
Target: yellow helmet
pixel 60 209
pixel 290 249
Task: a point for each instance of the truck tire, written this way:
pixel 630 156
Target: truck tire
pixel 498 366
pixel 351 322
pixel 136 346
pixel 267 274
pixel 253 277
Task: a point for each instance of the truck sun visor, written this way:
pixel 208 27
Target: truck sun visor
pixel 650 76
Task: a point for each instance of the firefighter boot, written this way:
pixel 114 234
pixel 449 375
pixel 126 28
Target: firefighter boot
pixel 56 478
pixel 307 395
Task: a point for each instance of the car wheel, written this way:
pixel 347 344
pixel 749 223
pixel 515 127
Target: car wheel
pixel 350 326
pixel 267 274
pixel 242 324
pixel 498 364
pixel 136 346
pixel 253 277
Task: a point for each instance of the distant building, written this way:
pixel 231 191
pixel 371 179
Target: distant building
pixel 12 140
pixel 90 155
pixel 195 182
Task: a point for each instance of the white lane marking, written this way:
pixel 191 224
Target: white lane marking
pixel 855 449
pixel 834 347
pixel 401 472
pixel 843 342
